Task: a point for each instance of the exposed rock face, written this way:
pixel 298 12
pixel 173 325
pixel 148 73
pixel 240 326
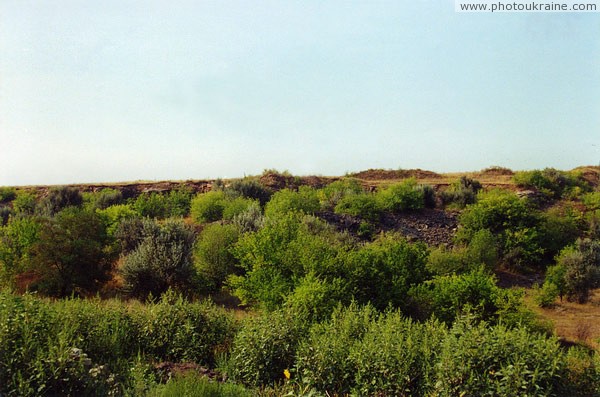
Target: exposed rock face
pixel 431 226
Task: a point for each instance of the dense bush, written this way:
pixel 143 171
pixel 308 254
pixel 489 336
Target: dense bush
pixel 304 200
pixel 178 331
pixel 179 202
pixel 482 249
pixel 462 192
pixel 477 360
pixel 382 272
pixel 278 255
pixel 191 384
pixel 264 347
pixel 558 228
pixel 24 203
pixel 552 183
pixel 7 194
pixel 16 240
pixel 249 188
pixel 104 198
pixel 5 213
pixel 361 204
pixel 362 352
pixel 59 198
pixel 511 220
pixel 592 201
pixel 151 205
pixel 406 195
pixel 162 260
pixel 87 347
pixel 115 215
pixel 447 297
pixel 330 195
pixel 323 358
pixel 208 207
pixel 396 357
pixel 581 264
pixel 250 220
pixel 236 206
pixel 213 256
pixel 70 255
pixel 314 299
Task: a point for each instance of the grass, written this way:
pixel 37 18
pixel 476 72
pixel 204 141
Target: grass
pixel 579 323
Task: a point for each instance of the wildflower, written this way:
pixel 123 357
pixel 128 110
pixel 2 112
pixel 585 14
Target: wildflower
pixel 286 373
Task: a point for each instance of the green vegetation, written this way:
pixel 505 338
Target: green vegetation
pixel 161 260
pixel 340 294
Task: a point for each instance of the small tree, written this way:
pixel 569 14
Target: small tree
pixel 70 255
pixel 582 269
pixel 162 260
pixel 59 198
pixel 213 257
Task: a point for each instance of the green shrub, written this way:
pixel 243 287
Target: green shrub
pixel 558 229
pixel 462 192
pixel 89 347
pixel 115 214
pixel 546 295
pixel 236 206
pixel 190 384
pixel 363 205
pixel 162 260
pixel 443 261
pixel 249 188
pixel 477 360
pixel 581 265
pixel 277 256
pixel 323 359
pixel 513 223
pixel 314 299
pixel 7 194
pixel 249 220
pixel 24 203
pixel 16 241
pixel 151 205
pixel 70 255
pixel 429 196
pixel 105 198
pixel 208 207
pixel 304 200
pixel 212 252
pixel 483 249
pixel 556 275
pixel 40 354
pixel 396 357
pixel 330 195
pixel 173 329
pixel 382 272
pixel 5 213
pixel 592 201
pixel 264 347
pixel 179 202
pixel 59 198
pixel 550 182
pixel 406 195
pixel 130 232
pixel 447 297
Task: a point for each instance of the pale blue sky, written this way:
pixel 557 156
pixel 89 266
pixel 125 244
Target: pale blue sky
pixel 119 90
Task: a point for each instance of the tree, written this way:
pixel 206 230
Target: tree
pixel 162 260
pixel 582 269
pixel 70 255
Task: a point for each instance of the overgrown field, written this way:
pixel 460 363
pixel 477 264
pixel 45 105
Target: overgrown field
pixel 380 283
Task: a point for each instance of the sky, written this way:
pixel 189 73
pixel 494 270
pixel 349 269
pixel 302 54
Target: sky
pixel 122 90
